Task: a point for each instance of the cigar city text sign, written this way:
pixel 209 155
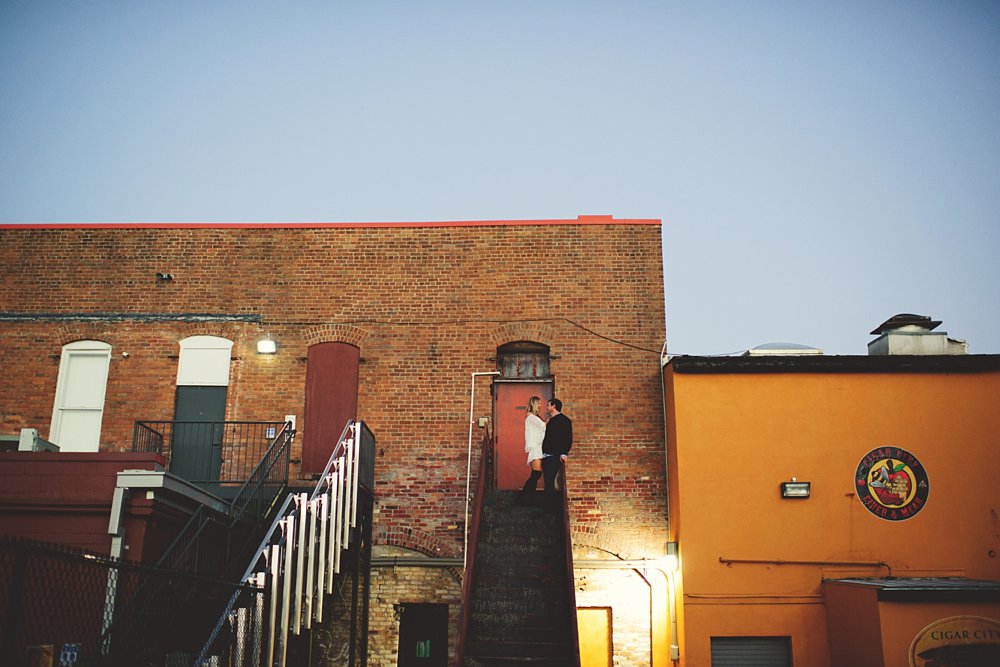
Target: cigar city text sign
pixel 891 483
pixel 957 641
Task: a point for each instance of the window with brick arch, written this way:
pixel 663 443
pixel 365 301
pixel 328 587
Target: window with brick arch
pixel 523 360
pixel 79 404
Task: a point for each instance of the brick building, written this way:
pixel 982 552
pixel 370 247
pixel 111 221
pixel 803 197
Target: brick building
pixel 387 322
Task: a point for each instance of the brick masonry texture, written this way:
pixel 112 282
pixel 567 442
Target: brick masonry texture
pixel 426 305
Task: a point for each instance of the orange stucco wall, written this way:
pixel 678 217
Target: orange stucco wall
pixel 734 437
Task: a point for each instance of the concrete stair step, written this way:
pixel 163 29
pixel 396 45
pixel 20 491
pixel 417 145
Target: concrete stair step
pixel 524 649
pixel 521 632
pixel 519 593
pixel 501 661
pixel 513 577
pixel 519 606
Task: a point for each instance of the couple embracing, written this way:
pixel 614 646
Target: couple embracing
pixel 547 444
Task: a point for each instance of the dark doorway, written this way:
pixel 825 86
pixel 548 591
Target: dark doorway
pixel 423 635
pixel 331 400
pixel 196 448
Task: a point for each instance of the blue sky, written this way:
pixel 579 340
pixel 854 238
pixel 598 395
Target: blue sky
pixel 818 166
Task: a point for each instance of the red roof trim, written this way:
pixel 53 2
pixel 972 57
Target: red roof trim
pixel 581 220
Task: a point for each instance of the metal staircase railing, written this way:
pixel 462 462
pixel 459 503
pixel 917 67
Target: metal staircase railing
pixel 298 562
pixel 570 583
pixel 484 482
pixel 251 504
pixel 188 552
pixel 216 455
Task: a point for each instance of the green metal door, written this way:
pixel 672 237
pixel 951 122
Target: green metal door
pixel 196 446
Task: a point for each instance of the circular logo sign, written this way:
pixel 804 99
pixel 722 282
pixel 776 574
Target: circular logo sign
pixel 891 483
pixel 959 640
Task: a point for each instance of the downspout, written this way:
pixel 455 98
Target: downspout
pixel 117 541
pixel 468 467
pixel 657 606
pixel 675 650
pixel 149 481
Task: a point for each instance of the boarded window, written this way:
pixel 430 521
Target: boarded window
pixel 204 361
pixel 523 360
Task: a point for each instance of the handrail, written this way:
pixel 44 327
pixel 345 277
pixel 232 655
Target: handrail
pixel 215 453
pixel 338 451
pixel 262 502
pixel 174 554
pixel 178 555
pixel 570 583
pixel 188 535
pixel 334 502
pixel 485 476
pixel 262 472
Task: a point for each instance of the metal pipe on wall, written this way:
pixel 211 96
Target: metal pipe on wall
pixel 468 467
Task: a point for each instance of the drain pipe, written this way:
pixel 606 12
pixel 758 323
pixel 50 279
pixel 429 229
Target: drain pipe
pixel 657 604
pixel 117 546
pixel 468 467
pixel 675 651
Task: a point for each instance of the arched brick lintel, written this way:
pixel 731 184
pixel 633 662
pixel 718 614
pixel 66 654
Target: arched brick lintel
pixel 335 333
pixel 537 332
pixel 417 540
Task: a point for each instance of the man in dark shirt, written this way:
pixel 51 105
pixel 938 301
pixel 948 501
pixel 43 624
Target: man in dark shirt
pixel 556 444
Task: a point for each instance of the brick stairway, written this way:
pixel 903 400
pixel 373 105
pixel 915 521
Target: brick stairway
pixel 520 613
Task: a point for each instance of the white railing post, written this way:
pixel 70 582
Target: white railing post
pixel 302 554
pixel 310 566
pixel 300 561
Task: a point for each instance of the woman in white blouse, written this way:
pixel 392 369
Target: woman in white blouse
pixel 534 433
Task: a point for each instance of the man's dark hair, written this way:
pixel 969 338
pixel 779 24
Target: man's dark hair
pixel 556 402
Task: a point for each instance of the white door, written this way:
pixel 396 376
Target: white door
pixel 79 406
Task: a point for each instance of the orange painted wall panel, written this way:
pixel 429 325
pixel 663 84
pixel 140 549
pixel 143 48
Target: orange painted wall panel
pixel 734 437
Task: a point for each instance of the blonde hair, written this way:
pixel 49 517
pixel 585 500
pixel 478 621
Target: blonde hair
pixel 533 405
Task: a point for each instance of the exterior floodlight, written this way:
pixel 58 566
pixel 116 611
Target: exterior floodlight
pixel 267 346
pixel 672 560
pixel 795 489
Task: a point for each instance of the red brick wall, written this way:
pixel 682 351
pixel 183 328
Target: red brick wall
pixel 427 305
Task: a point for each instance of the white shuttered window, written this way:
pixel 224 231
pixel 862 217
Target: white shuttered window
pixel 79 405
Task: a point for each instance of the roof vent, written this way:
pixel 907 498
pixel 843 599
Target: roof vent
pixel 913 334
pixel 781 350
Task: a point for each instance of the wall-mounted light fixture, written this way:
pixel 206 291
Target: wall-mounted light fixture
pixel 795 489
pixel 164 276
pixel 672 560
pixel 267 345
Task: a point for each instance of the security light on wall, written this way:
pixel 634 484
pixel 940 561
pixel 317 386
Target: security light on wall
pixel 267 345
pixel 672 558
pixel 795 489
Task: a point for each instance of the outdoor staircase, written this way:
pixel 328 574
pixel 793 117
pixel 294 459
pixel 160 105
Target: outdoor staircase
pixel 520 611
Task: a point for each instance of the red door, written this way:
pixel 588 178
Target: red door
pixel 331 400
pixel 510 407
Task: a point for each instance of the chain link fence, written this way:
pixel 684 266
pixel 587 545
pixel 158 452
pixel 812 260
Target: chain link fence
pixel 62 608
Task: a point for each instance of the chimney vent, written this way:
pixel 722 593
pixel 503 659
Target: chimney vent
pixel 913 334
